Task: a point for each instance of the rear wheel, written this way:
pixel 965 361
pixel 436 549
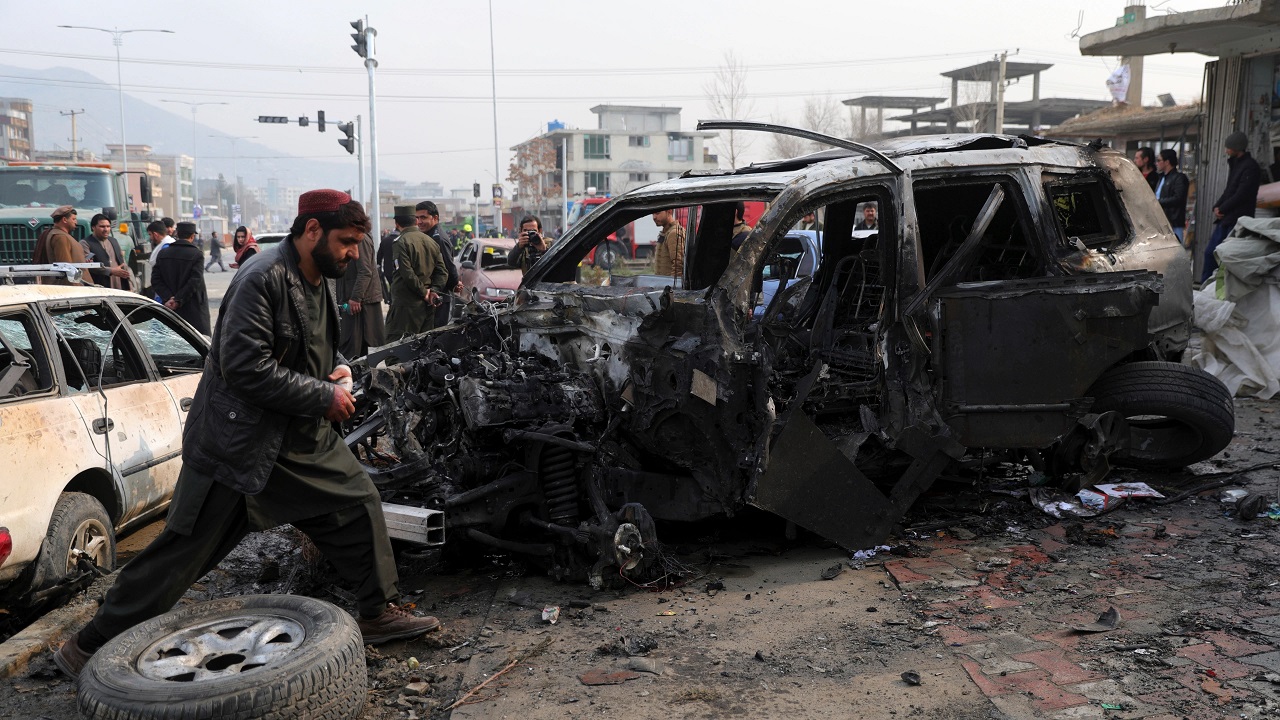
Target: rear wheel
pixel 1177 415
pixel 610 255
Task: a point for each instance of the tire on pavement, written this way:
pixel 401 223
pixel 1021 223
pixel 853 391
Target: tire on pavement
pixel 609 255
pixel 259 656
pixel 79 524
pixel 1177 414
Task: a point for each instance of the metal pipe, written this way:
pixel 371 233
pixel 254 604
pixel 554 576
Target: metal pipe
pixel 510 545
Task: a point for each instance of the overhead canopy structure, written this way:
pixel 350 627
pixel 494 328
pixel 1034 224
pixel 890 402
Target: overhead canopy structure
pixel 1238 29
pixel 984 71
pixel 1051 111
pixel 891 102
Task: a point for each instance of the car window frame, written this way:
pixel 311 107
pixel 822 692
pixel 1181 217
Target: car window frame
pixel 1051 178
pixel 41 336
pixel 129 340
pixel 182 327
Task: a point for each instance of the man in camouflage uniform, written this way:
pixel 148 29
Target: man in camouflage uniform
pixel 419 279
pixel 669 257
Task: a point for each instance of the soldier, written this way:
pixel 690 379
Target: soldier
pixel 428 217
pixel 669 257
pixel 259 448
pixel 419 279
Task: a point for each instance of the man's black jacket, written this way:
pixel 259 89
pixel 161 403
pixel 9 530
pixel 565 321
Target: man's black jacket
pixel 179 274
pixel 255 377
pixel 1173 197
pixel 1241 196
pixel 446 249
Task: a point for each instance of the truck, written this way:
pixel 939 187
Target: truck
pixel 30 191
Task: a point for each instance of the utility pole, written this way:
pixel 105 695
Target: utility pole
pixel 564 183
pixel 360 160
pixel 493 78
pixel 195 176
pixel 365 47
pixel 999 128
pixel 74 136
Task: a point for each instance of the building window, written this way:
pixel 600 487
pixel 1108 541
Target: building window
pixel 679 148
pixel 637 177
pixel 597 180
pixel 595 147
pixel 638 141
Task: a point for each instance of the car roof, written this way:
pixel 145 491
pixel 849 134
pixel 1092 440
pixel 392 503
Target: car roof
pixel 496 242
pixel 23 294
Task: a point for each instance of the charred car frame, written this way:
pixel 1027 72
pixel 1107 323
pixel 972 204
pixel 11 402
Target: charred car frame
pixel 1019 295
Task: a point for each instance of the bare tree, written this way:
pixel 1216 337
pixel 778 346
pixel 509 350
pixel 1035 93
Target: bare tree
pixel 823 115
pixel 728 99
pixel 532 171
pixel 785 146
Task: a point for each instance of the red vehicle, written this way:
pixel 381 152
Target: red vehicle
pixel 482 268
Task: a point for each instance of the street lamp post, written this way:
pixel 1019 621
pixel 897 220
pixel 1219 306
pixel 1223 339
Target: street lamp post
pixel 195 177
pixel 117 39
pixel 235 173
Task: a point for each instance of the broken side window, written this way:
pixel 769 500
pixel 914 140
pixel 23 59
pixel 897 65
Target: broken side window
pixel 24 364
pixel 975 231
pixel 171 348
pixel 1086 210
pixel 92 349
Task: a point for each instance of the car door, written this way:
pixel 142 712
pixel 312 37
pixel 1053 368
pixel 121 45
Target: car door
pixel 134 423
pixel 176 354
pixel 46 442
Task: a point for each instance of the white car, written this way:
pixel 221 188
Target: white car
pixel 95 385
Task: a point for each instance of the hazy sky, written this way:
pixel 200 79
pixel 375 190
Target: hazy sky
pixel 555 60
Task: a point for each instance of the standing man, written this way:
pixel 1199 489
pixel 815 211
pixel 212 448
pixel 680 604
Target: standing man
pixel 669 255
pixel 1145 159
pixel 387 261
pixel 428 218
pixel 103 248
pixel 58 245
pixel 810 222
pixel 1172 190
pixel 178 279
pixel 215 252
pixel 869 220
pixel 419 279
pixel 170 227
pixel 160 239
pixel 1239 199
pixel 360 298
pixel 529 244
pixel 259 448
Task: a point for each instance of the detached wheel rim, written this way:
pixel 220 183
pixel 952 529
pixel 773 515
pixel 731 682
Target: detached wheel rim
pixel 1153 436
pixel 223 648
pixel 92 539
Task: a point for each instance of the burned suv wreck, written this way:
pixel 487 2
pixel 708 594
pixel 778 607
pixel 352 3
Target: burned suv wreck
pixel 1018 295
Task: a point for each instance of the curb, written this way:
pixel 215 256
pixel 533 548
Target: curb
pixel 46 633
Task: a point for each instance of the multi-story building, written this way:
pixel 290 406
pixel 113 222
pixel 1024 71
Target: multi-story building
pixel 16 136
pixel 631 145
pixel 141 160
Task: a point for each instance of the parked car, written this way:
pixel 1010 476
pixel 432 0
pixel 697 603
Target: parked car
pixel 94 390
pixel 482 268
pixel 266 239
pixel 1019 298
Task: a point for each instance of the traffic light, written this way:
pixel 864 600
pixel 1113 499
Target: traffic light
pixel 362 39
pixel 320 119
pixel 303 121
pixel 348 142
pixel 273 119
pixel 475 189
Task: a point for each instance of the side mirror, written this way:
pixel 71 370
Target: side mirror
pixel 110 212
pixel 467 265
pixel 144 188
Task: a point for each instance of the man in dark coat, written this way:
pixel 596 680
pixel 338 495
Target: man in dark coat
pixel 101 247
pixel 259 447
pixel 178 279
pixel 387 261
pixel 1172 190
pixel 360 299
pixel 1239 199
pixel 428 218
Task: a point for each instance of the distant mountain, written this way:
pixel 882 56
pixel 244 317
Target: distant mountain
pixel 166 131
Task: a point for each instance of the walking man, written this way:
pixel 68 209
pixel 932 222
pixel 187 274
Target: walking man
pixel 259 448
pixel 418 281
pixel 215 253
pixel 178 279
pixel 1239 199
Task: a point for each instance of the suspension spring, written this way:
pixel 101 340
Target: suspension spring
pixel 559 484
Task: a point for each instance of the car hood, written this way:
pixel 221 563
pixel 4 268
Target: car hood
pixel 508 278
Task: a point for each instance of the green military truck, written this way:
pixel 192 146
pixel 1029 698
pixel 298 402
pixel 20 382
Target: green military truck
pixel 30 191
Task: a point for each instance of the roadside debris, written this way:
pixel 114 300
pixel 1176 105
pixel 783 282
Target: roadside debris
pixel 597 676
pixel 1106 622
pixel 911 677
pixel 551 614
pixel 833 572
pixel 645 665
